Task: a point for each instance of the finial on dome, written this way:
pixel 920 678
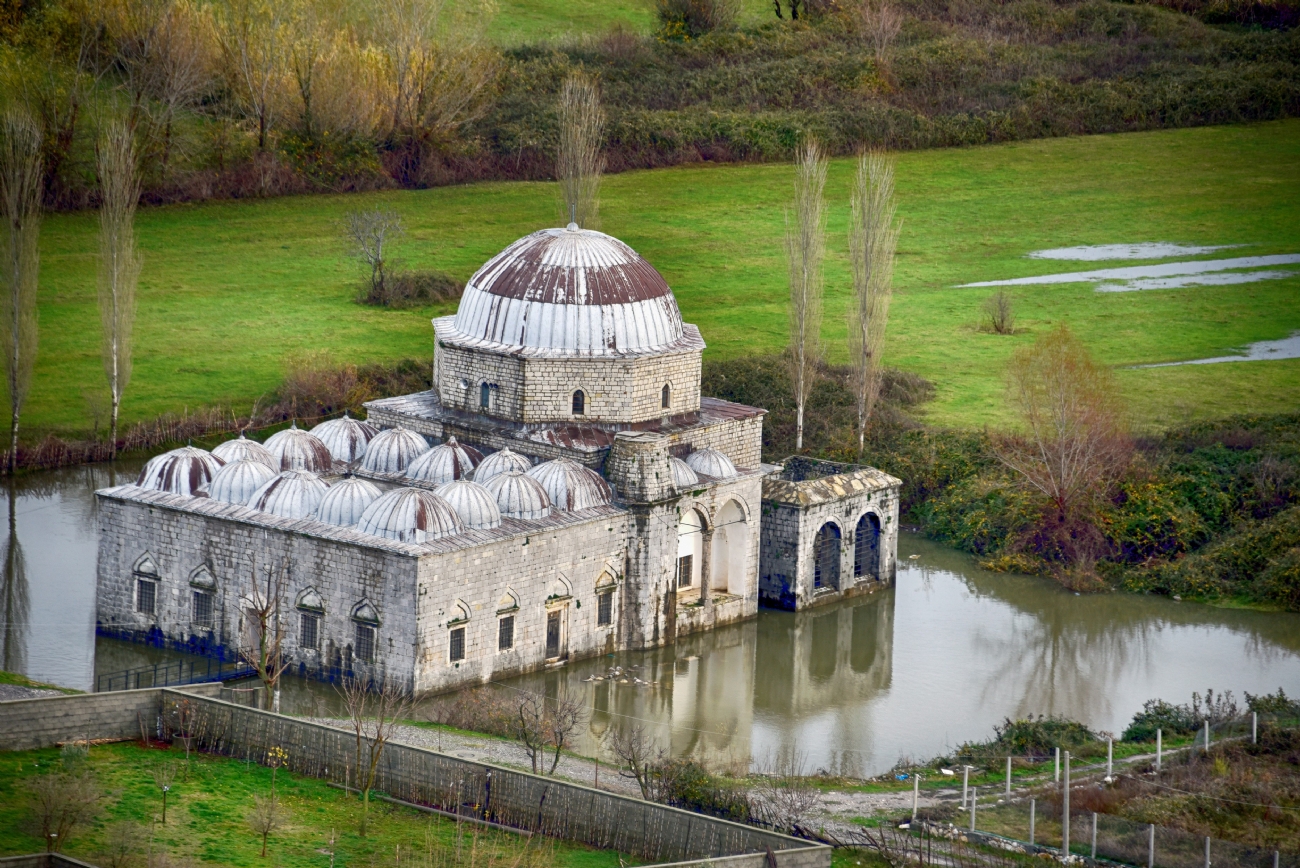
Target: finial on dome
pixel 573 218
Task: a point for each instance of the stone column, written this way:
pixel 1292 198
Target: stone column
pixel 706 558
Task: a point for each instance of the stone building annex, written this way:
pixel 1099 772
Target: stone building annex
pixel 563 490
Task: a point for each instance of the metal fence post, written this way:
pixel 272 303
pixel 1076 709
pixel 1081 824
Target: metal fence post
pixel 1032 811
pixel 1008 776
pixel 1254 727
pixel 974 796
pixel 1065 809
pixel 1159 734
pixel 1094 834
pixel 1207 851
pixel 1207 735
pixel 965 779
pixel 916 793
pixel 1056 776
pixel 1110 759
pixel 1151 846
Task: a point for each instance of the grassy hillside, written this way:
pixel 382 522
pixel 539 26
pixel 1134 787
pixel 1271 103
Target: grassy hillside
pixel 230 290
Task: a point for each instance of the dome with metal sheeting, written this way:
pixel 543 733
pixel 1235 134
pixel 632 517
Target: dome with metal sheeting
pixel 410 515
pixel 392 451
pixel 238 481
pixel 518 495
pixel 444 463
pixel 474 504
pixel 296 449
pixel 683 475
pixel 346 500
pixel 571 486
pixel 180 471
pixel 242 448
pixel 711 462
pixel 346 438
pixel 293 494
pixel 500 462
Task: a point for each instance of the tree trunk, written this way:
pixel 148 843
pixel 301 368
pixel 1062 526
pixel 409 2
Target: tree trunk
pixel 798 428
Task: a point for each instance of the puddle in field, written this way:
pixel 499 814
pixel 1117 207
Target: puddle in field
pixel 1143 272
pixel 1224 278
pixel 1144 250
pixel 1260 351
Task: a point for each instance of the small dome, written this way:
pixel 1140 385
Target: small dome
pixel 445 462
pixel 711 462
pixel 410 515
pixel 570 485
pixel 518 495
pixel 392 450
pixel 475 505
pixel 683 475
pixel 239 480
pixel 293 494
pixel 346 500
pixel 345 438
pixel 498 463
pixel 296 449
pixel 242 448
pixel 181 471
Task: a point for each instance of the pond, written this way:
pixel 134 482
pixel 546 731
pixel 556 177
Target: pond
pixel 911 671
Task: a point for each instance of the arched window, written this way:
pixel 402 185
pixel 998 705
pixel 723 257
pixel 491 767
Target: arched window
pixel 866 547
pixel 485 396
pixel 579 403
pixel 666 400
pixel 826 558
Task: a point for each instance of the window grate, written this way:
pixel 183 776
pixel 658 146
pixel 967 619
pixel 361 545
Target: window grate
pixel 146 593
pixel 364 646
pixel 203 608
pixel 605 609
pixel 579 403
pixel 506 633
pixel 457 644
pixel 309 631
pixel 685 566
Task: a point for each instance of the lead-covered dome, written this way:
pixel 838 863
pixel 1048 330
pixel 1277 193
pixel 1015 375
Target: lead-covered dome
pixel 444 463
pixel 571 486
pixel 393 450
pixel 296 449
pixel 683 475
pixel 346 500
pixel 410 515
pixel 569 291
pixel 346 438
pixel 181 471
pixel 500 462
pixel 239 480
pixel 518 495
pixel 711 462
pixel 474 504
pixel 293 494
pixel 242 448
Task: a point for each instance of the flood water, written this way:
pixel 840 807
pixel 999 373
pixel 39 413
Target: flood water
pixel 911 671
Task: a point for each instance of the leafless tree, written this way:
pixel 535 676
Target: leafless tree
pixel 785 797
pixel 873 238
pixel 335 78
pixel 62 803
pixel 638 752
pixel 122 845
pixel 251 35
pixel 580 160
pixel 805 246
pixel 370 235
pixel 546 727
pixel 266 817
pixel 999 315
pixel 163 777
pixel 879 22
pixel 263 634
pixel 374 709
pixel 20 197
pixel 119 262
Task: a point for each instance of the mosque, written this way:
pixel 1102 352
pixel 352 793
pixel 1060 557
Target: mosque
pixel 562 491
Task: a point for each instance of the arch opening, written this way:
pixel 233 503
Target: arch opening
pixel 579 403
pixel 866 548
pixel 690 548
pixel 730 544
pixel 666 398
pixel 826 558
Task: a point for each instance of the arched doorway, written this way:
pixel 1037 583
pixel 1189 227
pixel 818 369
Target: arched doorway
pixel 826 557
pixel 730 543
pixel 690 549
pixel 866 548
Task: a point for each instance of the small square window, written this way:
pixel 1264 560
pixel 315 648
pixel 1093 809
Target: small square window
pixel 145 595
pixel 457 644
pixel 309 630
pixel 506 633
pixel 202 609
pixel 364 646
pixel 685 567
pixel 604 609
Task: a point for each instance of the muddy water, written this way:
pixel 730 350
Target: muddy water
pixel 941 658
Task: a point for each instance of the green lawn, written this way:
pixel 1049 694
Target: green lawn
pixel 231 289
pixel 206 823
pixel 519 21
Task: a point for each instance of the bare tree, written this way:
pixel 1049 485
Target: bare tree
pixel 61 803
pixel 122 846
pixel 374 710
pixel 785 797
pixel 546 727
pixel 1075 439
pixel 163 777
pixel 119 263
pixel 580 160
pixel 252 40
pixel 879 22
pixel 370 234
pixel 999 315
pixel 873 238
pixel 637 751
pixel 266 817
pixel 263 634
pixel 805 246
pixel 20 197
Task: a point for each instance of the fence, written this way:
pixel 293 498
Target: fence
pixel 173 674
pixel 646 830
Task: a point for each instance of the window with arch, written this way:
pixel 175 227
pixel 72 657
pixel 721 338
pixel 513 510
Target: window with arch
pixel 579 403
pixel 666 399
pixel 484 396
pixel 826 558
pixel 866 547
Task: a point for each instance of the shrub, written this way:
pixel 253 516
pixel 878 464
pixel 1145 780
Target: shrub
pixel 691 19
pixel 1036 737
pixel 1158 714
pixel 404 289
pixel 687 784
pixel 1273 704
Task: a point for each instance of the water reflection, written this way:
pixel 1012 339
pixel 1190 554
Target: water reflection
pixel 15 600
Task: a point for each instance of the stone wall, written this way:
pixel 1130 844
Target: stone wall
pixel 741 440
pixel 29 724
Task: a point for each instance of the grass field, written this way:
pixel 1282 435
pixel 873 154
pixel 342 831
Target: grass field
pixel 518 21
pixel 231 289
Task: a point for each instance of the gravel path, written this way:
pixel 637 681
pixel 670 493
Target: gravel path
pixel 14 691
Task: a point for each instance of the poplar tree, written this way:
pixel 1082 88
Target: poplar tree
pixel 580 162
pixel 119 263
pixel 805 246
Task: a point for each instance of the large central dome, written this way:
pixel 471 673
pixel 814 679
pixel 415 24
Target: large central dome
pixel 569 291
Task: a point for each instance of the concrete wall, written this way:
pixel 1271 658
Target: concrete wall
pixel 29 724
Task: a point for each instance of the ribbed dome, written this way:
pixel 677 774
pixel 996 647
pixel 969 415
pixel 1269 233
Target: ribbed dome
pixel 181 471
pixel 571 291
pixel 683 475
pixel 296 449
pixel 293 494
pixel 475 505
pixel 711 462
pixel 242 448
pixel 500 462
pixel 518 495
pixel 570 485
pixel 346 500
pixel 393 450
pixel 410 515
pixel 445 462
pixel 238 481
pixel 345 438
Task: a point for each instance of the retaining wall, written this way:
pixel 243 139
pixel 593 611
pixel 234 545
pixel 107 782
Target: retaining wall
pixel 28 724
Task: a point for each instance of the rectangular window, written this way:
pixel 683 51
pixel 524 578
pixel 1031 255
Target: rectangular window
pixel 506 633
pixel 684 567
pixel 364 647
pixel 202 609
pixel 552 634
pixel 309 630
pixel 604 608
pixel 457 644
pixel 145 594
